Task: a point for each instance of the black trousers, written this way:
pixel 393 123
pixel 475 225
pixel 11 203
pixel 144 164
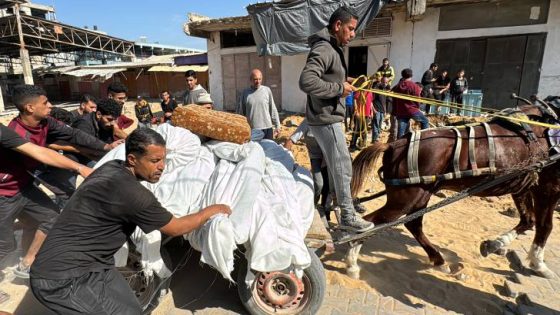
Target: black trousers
pixel 320 181
pixel 100 293
pixel 32 207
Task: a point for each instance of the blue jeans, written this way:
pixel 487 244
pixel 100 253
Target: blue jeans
pixel 376 126
pixel 404 123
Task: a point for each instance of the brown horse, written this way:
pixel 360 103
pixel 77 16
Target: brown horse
pixel 535 195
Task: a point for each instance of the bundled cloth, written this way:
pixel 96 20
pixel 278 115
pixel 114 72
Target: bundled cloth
pixel 271 199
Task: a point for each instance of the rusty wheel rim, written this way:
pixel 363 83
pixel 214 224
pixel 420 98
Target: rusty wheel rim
pixel 281 293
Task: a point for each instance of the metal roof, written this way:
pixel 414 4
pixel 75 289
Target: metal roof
pixel 182 69
pixel 43 37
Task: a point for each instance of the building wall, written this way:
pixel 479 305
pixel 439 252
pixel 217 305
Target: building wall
pixel 412 45
pixel 215 83
pixel 293 99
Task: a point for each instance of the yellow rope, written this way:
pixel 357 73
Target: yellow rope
pixel 429 101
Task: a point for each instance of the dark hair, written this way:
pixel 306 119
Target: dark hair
pixel 165 91
pixel 190 73
pixel 385 59
pixel 87 98
pixel 342 14
pixel 24 93
pixel 433 64
pixel 406 73
pixel 137 142
pixel 62 114
pixel 109 106
pixel 117 87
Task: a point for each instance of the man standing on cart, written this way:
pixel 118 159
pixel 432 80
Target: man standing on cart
pixel 324 79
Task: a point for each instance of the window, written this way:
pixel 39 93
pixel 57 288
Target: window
pixel 236 38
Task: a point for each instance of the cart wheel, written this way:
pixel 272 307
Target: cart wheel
pixel 147 289
pixel 283 293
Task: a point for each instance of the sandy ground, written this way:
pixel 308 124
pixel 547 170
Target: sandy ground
pixel 393 264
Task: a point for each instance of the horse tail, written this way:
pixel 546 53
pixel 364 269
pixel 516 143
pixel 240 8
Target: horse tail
pixel 363 163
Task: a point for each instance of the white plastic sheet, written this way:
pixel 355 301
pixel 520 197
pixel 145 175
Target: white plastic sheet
pixel 270 196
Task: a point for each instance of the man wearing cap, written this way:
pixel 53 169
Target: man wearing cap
pixel 257 104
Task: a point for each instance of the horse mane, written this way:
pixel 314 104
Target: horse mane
pixel 363 163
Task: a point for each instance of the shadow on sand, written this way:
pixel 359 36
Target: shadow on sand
pixel 413 276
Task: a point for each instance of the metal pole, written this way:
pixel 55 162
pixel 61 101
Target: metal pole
pixel 1 100
pixel 23 53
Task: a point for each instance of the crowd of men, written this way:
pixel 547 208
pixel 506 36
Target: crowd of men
pixel 71 243
pixel 370 111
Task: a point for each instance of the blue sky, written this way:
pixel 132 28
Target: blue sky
pixel 161 21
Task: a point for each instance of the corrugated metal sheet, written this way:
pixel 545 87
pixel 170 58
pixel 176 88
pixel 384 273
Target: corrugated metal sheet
pixel 178 68
pixel 106 73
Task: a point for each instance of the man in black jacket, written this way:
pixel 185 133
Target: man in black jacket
pixel 324 79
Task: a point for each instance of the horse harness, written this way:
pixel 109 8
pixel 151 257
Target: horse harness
pixel 414 176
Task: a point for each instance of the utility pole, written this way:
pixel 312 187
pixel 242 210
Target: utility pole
pixel 23 52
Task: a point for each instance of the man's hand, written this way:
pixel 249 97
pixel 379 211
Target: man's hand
pixel 190 222
pixel 111 146
pixel 347 89
pixel 85 171
pixel 212 210
pixel 276 132
pixel 288 144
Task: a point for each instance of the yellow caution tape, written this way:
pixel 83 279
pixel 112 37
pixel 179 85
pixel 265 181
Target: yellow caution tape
pixel 363 86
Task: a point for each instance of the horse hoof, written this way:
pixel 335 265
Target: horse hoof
pixel 443 268
pixel 489 247
pixel 484 249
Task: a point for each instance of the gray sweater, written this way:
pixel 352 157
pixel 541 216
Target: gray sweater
pixel 259 108
pixel 322 80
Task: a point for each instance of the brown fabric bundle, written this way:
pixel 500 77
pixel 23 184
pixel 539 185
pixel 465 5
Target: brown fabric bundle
pixel 213 124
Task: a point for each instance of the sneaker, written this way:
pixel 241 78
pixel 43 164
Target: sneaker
pixel 356 224
pixel 22 271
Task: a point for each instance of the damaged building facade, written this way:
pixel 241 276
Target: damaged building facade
pixel 512 46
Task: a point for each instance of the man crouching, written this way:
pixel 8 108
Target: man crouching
pixel 74 272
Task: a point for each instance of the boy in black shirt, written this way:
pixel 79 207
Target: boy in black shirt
pixel 74 272
pixel 168 105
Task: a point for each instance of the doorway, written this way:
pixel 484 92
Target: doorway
pixel 499 66
pixel 357 61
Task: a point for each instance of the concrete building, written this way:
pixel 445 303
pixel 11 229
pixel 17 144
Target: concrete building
pixel 505 46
